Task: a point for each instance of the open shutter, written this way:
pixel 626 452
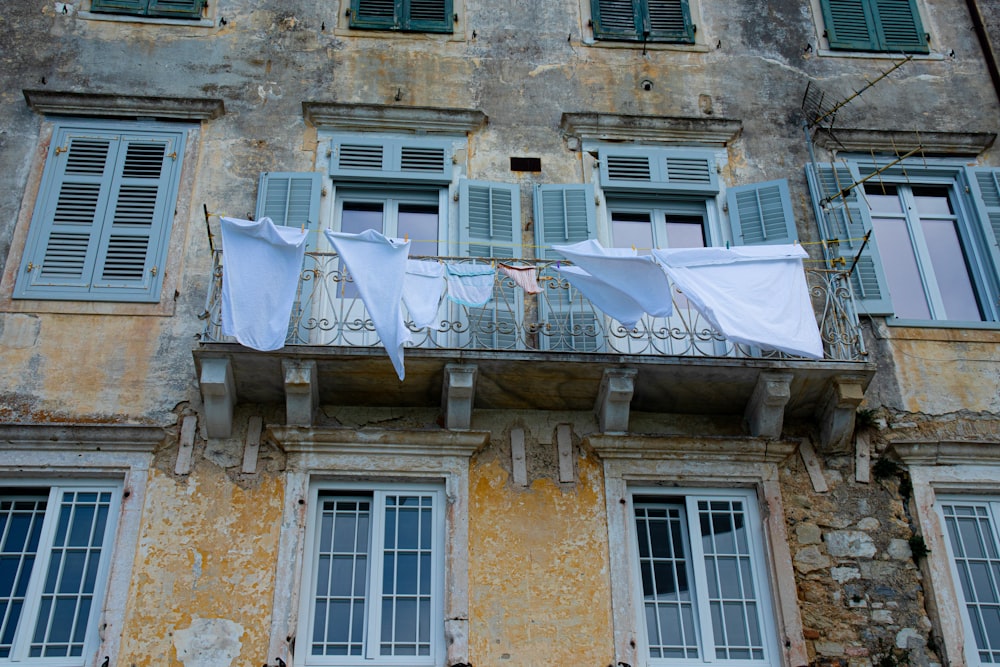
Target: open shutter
pixel 378 14
pixel 670 21
pixel 615 19
pixel 847 219
pixel 119 6
pixel 62 247
pixel 761 214
pixel 984 189
pixel 177 9
pixel 849 25
pixel 291 199
pixel 428 16
pixel 899 26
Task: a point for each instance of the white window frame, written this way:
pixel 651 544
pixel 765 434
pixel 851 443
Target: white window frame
pixel 704 629
pixel 677 466
pixel 376 550
pixel 76 457
pixel 342 458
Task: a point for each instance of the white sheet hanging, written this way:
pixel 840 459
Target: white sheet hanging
pixel 422 289
pixel 752 294
pixel 610 300
pixel 470 284
pixel 638 277
pixel 378 267
pixel 259 280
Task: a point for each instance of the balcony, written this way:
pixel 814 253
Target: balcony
pixel 548 351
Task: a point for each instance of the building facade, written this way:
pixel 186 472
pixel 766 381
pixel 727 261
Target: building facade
pixel 546 485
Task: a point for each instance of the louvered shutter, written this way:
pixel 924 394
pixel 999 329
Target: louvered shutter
pixel 490 227
pixel 138 215
pixel 565 214
pixel 293 199
pixel 407 15
pixel 400 159
pixel 428 15
pixel 119 6
pixel 677 171
pixel 761 214
pixel 669 21
pixel 378 14
pixel 899 26
pixel 849 25
pixel 983 184
pixel 178 9
pixel 847 219
pixel 616 19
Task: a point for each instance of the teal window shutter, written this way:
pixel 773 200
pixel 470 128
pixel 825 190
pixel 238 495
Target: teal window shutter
pixel 874 25
pixel 178 9
pixel 847 219
pixel 404 15
pixel 291 199
pixel 983 185
pixel 490 219
pixel 120 6
pixel 761 213
pixel 642 20
pixel 103 216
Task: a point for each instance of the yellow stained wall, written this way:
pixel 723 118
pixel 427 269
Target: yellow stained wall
pixel 538 570
pixel 207 550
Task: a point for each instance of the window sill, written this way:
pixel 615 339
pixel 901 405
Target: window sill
pixel 375 33
pixel 163 308
pixel 129 18
pixel 648 46
pixel 876 55
pixel 964 332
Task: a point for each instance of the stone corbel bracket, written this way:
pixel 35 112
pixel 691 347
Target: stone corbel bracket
pixel 614 399
pixel 837 413
pixel 765 411
pixel 218 392
pixel 458 394
pixel 301 391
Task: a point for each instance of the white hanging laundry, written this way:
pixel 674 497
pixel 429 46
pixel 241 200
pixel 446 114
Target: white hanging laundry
pixel 378 267
pixel 610 300
pixel 259 280
pixel 752 294
pixel 637 276
pixel 524 277
pixel 470 284
pixel 422 289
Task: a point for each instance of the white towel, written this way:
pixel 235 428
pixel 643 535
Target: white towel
pixel 608 299
pixel 470 284
pixel 261 274
pixel 752 294
pixel 378 267
pixel 422 289
pixel 620 268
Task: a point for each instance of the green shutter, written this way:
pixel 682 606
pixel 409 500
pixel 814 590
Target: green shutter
pixel 563 214
pixel 761 213
pixel 849 25
pixel 669 21
pixel 847 219
pixel 177 9
pixel 119 6
pixel 616 19
pixel 406 15
pixel 291 199
pixel 642 20
pixel 899 26
pixel 100 227
pixel 375 14
pixel 428 16
pixel 983 185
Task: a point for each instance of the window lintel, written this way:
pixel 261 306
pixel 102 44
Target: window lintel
pixel 123 106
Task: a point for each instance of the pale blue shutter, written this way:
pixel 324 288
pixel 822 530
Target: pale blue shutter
pixel 566 214
pixel 490 227
pixel 292 199
pixel 984 190
pixel 139 214
pixel 847 219
pixel 761 213
pixel 61 251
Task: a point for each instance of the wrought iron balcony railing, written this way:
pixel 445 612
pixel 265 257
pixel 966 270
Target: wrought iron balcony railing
pixel 328 312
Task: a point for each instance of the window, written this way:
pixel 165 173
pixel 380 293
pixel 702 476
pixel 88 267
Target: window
pixel 403 15
pixel 932 255
pixel 103 215
pixel 54 558
pixel 974 553
pixel 874 25
pixel 699 564
pixel 643 20
pixel 175 9
pixel 375 584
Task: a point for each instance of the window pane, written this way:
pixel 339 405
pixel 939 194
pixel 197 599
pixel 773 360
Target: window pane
pixel 685 232
pixel 973 544
pixel 951 271
pixel 900 265
pixel 20 527
pixel 631 230
pixel 419 223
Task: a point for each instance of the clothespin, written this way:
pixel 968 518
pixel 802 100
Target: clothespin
pixel 727 245
pixel 633 248
pixel 406 238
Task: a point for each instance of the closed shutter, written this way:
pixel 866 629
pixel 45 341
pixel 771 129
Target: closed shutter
pixel 178 9
pixel 670 21
pixel 677 171
pixel 642 20
pixel 119 6
pixel 847 219
pixel 407 15
pixel 899 26
pixel 360 157
pixel 373 14
pixel 100 227
pixel 849 25
pixel 428 16
pixel 490 228
pixel 566 214
pixel 983 186
pixel 761 214
pixel 615 19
